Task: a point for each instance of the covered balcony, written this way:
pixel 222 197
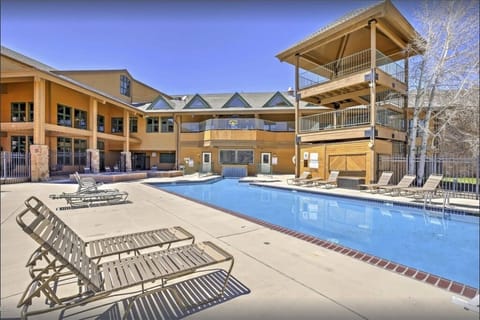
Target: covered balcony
pixel 351 123
pixel 345 81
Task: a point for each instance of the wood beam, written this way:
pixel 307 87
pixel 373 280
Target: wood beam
pixel 391 35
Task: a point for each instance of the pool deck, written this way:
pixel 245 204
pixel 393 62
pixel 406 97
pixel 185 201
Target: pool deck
pixel 286 277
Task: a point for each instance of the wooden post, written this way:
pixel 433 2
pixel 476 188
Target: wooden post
pixel 373 94
pixel 93 111
pixel 39 111
pixel 297 117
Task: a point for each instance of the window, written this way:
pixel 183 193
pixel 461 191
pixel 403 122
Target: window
pixel 19 147
pixel 19 144
pixel 21 112
pixel 80 152
pixel 236 101
pixel 197 103
pixel 80 119
pixel 278 100
pixel 152 124
pixel 167 124
pixel 236 156
pixel 64 116
pixel 64 151
pixel 167 157
pixel 100 123
pixel 160 104
pixel 101 145
pixel 125 85
pixel 117 125
pixel 133 124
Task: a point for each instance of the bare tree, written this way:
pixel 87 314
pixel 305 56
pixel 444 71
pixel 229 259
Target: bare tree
pixel 445 74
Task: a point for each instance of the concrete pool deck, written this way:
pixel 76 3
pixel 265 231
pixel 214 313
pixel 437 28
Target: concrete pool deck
pixel 286 277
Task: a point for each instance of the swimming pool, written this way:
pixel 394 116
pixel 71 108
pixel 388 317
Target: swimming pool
pixel 441 245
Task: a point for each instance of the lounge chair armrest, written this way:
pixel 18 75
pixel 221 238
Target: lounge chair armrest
pixel 216 249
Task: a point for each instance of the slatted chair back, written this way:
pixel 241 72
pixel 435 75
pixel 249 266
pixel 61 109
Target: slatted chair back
pixel 406 181
pixel 333 176
pixel 432 182
pixel 384 178
pixel 60 241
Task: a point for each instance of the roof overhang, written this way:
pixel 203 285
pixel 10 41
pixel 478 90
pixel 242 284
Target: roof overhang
pixel 351 34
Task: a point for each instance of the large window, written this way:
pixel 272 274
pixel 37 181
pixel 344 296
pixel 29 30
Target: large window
pixel 80 152
pixel 21 111
pixel 133 124
pixel 167 157
pixel 125 85
pixel 236 156
pixel 117 125
pixel 64 116
pixel 64 151
pixel 20 144
pixel 80 119
pixel 100 123
pixel 152 124
pixel 167 124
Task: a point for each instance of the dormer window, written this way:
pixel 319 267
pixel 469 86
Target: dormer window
pixel 125 85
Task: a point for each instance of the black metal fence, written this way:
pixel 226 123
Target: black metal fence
pixel 14 167
pixel 460 175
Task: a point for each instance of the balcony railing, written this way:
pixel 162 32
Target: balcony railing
pixel 354 63
pixel 350 118
pixel 238 124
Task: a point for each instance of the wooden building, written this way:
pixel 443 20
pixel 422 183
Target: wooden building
pixel 98 120
pixel 357 67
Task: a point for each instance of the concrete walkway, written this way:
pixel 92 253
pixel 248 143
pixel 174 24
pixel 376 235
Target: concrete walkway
pixel 287 278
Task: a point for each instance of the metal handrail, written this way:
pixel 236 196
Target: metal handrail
pixel 351 64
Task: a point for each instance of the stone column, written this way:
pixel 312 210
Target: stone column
pixel 93 160
pixel 39 163
pixel 128 160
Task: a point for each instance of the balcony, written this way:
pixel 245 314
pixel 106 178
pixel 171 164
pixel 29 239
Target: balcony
pixel 354 117
pixel 238 124
pixel 350 65
pixel 246 132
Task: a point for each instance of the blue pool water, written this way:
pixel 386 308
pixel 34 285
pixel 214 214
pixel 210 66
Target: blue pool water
pixel 446 247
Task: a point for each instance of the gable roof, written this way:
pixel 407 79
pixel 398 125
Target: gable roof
pixel 277 100
pixel 197 102
pixel 160 103
pixel 236 101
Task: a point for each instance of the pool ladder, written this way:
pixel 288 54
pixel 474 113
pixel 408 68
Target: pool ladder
pixel 446 201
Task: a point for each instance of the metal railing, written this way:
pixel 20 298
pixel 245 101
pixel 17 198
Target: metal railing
pixel 351 117
pixel 460 175
pixel 14 167
pixel 238 124
pixel 354 63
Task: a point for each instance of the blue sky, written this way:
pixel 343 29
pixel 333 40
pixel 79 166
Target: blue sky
pixel 177 47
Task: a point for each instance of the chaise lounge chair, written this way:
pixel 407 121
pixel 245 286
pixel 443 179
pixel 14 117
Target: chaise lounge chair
pixel 382 181
pixel 395 189
pixel 428 188
pixel 86 184
pixel 330 182
pixel 116 245
pixel 303 178
pixel 89 194
pixel 98 281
